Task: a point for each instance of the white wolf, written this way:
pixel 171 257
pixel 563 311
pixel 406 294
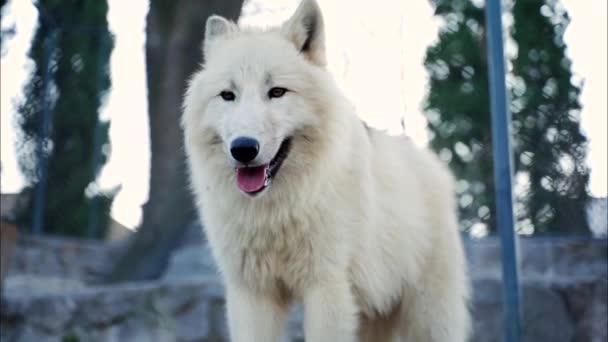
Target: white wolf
pixel 302 202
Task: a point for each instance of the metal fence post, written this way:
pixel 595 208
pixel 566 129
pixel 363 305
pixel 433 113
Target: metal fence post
pixel 42 153
pixel 501 121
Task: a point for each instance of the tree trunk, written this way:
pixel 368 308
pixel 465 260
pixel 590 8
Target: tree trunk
pixel 174 36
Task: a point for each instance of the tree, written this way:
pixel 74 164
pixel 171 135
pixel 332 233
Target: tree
pixel 457 107
pixel 548 145
pixel 175 31
pixel 550 149
pixel 71 50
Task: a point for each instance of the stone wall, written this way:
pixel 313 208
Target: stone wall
pixel 50 294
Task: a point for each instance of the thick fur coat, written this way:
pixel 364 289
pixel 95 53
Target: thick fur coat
pixel 357 225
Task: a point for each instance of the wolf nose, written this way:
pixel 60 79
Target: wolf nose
pixel 244 149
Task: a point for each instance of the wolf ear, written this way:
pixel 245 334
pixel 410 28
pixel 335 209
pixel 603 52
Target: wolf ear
pixel 306 31
pixel 216 27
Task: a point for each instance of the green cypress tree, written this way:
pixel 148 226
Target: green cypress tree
pixel 457 107
pixel 73 37
pixel 548 145
pixel 550 148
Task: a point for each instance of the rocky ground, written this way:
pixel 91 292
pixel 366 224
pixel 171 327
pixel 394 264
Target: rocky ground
pixel 52 293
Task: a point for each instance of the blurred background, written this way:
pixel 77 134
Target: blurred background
pixel 100 240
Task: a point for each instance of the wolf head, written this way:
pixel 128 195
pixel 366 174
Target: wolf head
pixel 255 108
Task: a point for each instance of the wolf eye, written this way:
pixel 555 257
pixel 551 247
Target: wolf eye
pixel 227 95
pixel 276 92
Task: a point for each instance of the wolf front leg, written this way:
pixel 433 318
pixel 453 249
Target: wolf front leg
pixel 330 313
pixel 253 317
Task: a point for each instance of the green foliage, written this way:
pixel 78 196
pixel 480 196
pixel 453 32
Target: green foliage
pixel 549 148
pixel 76 33
pixel 457 107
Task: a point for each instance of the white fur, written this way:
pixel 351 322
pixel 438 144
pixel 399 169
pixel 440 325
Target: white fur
pixel 357 225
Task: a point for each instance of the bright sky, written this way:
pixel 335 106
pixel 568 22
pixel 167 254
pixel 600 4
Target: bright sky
pixel 375 52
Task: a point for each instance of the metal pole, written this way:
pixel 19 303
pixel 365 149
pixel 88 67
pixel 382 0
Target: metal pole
pixel 501 121
pixel 42 153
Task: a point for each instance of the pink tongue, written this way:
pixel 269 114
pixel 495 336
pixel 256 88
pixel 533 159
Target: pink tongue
pixel 251 179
